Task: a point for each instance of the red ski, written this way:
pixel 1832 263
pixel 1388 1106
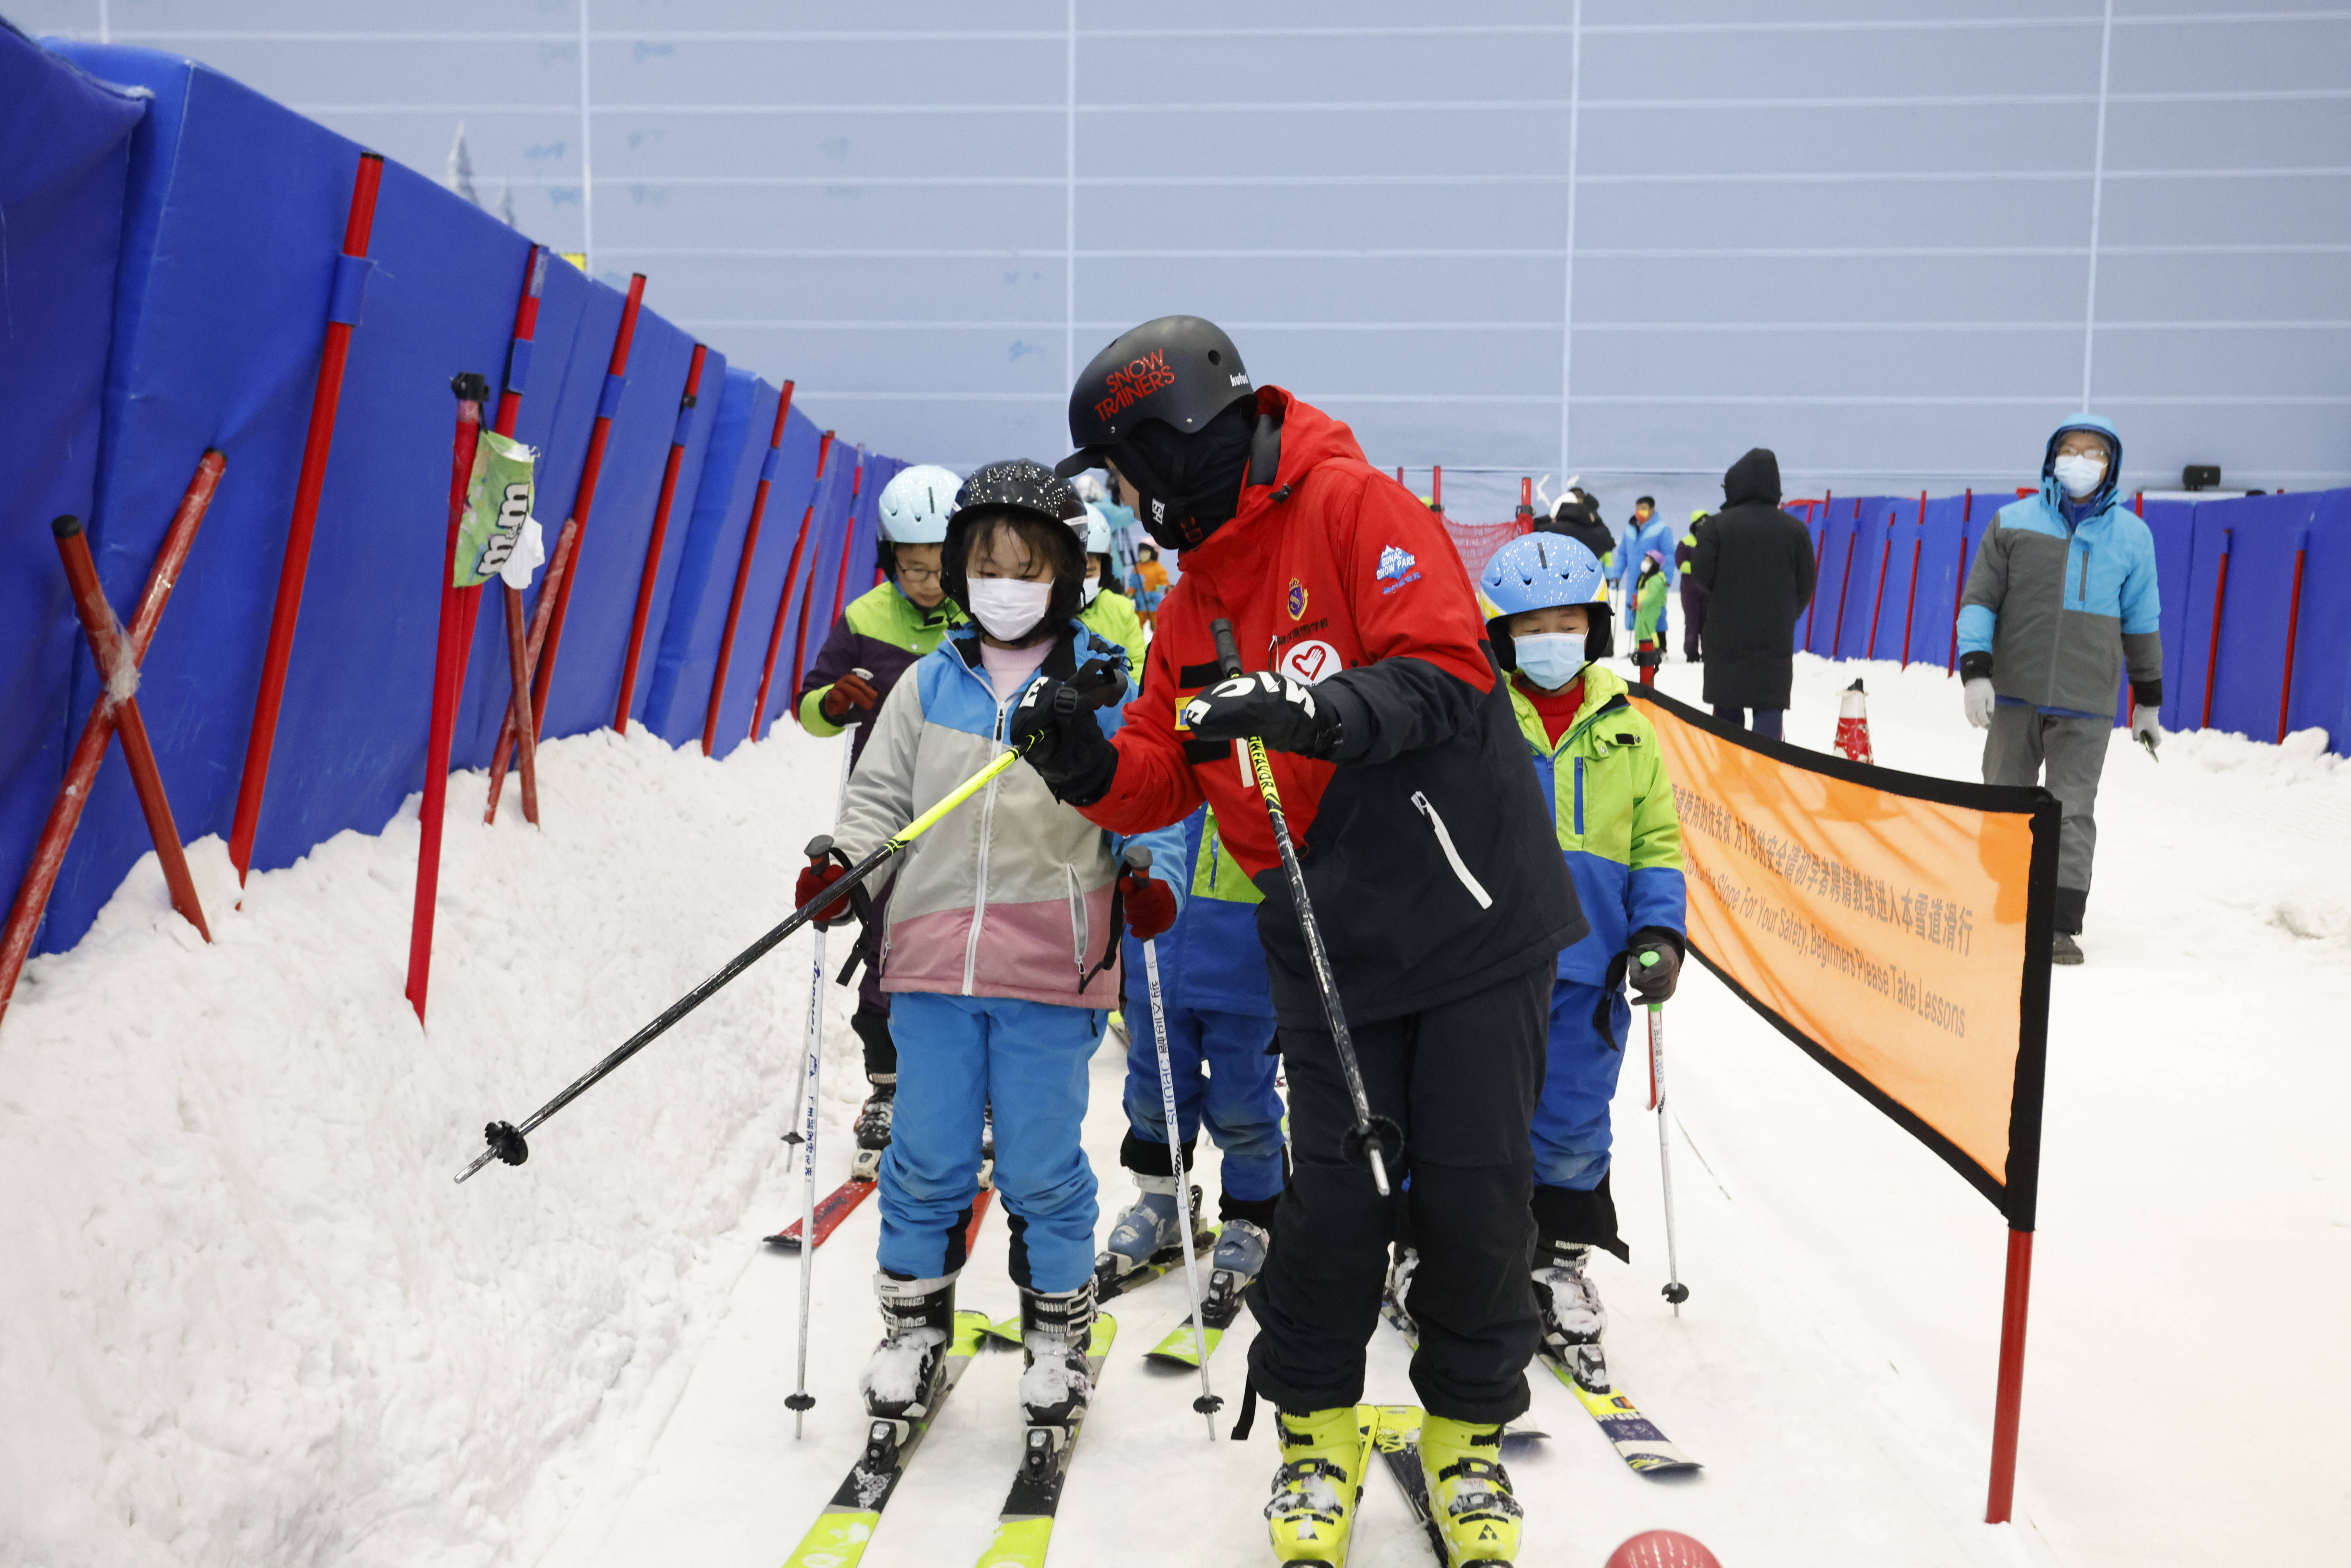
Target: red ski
pixel 836 1207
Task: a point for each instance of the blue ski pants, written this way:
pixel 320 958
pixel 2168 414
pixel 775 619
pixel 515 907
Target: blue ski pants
pixel 958 1056
pixel 1222 1077
pixel 1582 1061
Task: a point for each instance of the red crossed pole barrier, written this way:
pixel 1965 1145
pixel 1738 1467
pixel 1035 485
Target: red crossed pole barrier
pixel 807 608
pixel 525 327
pixel 108 713
pixel 768 467
pixel 325 400
pixel 652 573
pixel 2212 654
pixel 784 604
pixel 459 607
pixel 2293 625
pixel 1910 612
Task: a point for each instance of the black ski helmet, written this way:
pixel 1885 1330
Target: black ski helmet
pixel 1178 369
pixel 1019 486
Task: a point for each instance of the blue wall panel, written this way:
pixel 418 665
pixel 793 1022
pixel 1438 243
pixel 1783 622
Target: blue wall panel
pixel 789 493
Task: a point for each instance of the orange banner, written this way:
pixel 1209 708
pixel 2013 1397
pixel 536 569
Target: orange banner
pixel 1896 926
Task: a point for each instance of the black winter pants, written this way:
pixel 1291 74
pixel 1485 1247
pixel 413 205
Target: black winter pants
pixel 1461 1080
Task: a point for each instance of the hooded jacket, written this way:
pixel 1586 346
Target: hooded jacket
pixel 1413 839
pixel 2056 610
pixel 1755 561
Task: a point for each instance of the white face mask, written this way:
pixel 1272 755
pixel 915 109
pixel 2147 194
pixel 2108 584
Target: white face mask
pixel 1549 659
pixel 2079 472
pixel 1093 586
pixel 1008 608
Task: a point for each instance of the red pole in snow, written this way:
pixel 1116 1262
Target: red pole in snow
pixel 743 570
pixel 1877 611
pixel 784 603
pixel 2292 624
pixel 1437 490
pixel 1813 603
pixel 651 574
pixel 97 732
pixel 1526 514
pixel 459 606
pixel 519 717
pixel 2138 504
pixel 2008 1398
pixel 2212 655
pixel 807 610
pixel 326 398
pixel 1845 584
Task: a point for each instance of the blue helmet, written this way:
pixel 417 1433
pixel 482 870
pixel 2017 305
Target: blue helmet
pixel 1538 571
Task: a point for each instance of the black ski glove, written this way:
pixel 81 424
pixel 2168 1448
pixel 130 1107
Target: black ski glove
pixel 1055 722
pixel 1276 709
pixel 1654 983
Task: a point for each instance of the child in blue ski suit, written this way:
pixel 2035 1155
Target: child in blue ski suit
pixel 1000 952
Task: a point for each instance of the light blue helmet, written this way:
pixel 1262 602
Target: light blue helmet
pixel 1538 571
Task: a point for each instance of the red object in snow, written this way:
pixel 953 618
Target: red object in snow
pixel 651 574
pixel 1853 724
pixel 784 603
pixel 1663 1549
pixel 743 572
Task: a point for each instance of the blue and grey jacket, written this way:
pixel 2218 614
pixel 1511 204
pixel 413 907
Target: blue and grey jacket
pixel 2061 597
pixel 1210 958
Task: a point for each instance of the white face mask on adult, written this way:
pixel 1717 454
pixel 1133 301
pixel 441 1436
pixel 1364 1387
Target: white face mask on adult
pixel 1009 608
pixel 2079 472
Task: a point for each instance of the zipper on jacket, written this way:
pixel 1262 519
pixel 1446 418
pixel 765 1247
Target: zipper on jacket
pixel 1452 856
pixel 1077 923
pixel 1579 797
pixel 2082 584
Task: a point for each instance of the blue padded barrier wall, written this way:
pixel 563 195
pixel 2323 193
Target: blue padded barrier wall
pixel 1871 530
pixel 2248 680
pixel 2322 654
pixel 2172 524
pixel 61 191
pixel 789 492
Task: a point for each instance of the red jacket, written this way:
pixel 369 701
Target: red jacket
pixel 1418 838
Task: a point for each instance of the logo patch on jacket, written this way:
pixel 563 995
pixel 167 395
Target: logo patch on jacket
pixel 1297 600
pixel 1395 569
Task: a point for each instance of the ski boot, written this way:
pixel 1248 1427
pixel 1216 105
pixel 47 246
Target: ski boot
pixel 1056 1332
pixel 1240 1253
pixel 1148 1235
pixel 873 1129
pixel 1392 1305
pixel 903 1380
pixel 1469 1491
pixel 1573 1318
pixel 1324 1454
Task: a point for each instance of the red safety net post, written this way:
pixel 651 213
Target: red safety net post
pixel 97 732
pixel 1399 473
pixel 2008 1399
pixel 1917 548
pixel 1813 603
pixel 2212 655
pixel 2138 504
pixel 807 610
pixel 661 505
pixel 2292 624
pixel 525 327
pixel 784 602
pixel 459 607
pixel 768 467
pixel 349 289
pixel 1845 584
pixel 1877 609
pixel 1525 515
pixel 1437 490
pixel 1959 581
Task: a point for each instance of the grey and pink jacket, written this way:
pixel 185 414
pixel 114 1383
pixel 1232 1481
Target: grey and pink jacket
pixel 1011 895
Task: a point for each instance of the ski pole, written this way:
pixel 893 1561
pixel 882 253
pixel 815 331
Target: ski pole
pixel 507 1140
pixel 812 1081
pixel 1371 1134
pixel 1675 1292
pixel 1208 1405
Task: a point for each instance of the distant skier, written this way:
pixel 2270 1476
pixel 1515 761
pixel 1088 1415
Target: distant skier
pixel 1403 777
pixel 1755 562
pixel 1693 590
pixel 1648 598
pixel 1577 515
pixel 2061 600
pixel 1106 610
pixel 1001 955
pixel 1149 582
pixel 876 640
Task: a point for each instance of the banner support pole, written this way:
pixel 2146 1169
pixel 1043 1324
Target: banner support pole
pixel 2010 1396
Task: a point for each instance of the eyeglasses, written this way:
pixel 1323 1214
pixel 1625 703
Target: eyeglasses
pixel 918 574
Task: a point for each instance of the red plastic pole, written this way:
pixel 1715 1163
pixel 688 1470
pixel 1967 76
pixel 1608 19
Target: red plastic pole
pixel 2008 1401
pixel 519 717
pixel 326 398
pixel 784 603
pixel 651 574
pixel 1526 513
pixel 1844 585
pixel 522 720
pixel 743 572
pixel 459 606
pixel 848 534
pixel 1437 490
pixel 2212 655
pixel 1877 611
pixel 1910 615
pixel 2292 624
pixel 1813 603
pixel 616 375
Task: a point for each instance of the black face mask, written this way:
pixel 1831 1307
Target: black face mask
pixel 1189 485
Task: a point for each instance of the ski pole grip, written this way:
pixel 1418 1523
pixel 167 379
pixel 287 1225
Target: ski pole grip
pixel 1137 858
pixel 1649 959
pixel 1229 648
pixel 818 848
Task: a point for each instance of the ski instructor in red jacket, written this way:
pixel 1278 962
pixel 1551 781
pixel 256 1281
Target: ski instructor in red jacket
pixel 1417 821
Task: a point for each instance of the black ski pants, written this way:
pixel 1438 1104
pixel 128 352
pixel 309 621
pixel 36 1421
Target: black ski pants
pixel 1461 1080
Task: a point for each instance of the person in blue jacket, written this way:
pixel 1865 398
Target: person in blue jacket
pixel 1220 1012
pixel 2060 602
pixel 1646 531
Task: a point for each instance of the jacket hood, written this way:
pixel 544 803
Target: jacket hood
pixel 1754 478
pixel 1309 438
pixel 2097 500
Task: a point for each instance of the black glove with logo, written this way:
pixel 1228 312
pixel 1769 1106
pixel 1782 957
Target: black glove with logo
pixel 1054 724
pixel 1277 710
pixel 1653 982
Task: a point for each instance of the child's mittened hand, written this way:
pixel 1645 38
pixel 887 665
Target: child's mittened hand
pixel 1653 983
pixel 1150 904
pixel 849 693
pixel 814 879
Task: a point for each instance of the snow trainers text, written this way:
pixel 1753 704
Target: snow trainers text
pixel 1573 1318
pixel 1323 1455
pixel 1469 1493
pixel 903 1378
pixel 873 1129
pixel 1056 1329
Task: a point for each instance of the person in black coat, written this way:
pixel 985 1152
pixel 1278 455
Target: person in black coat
pixel 1577 515
pixel 1755 562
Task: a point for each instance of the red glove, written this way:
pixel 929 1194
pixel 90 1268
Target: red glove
pixel 814 879
pixel 1150 904
pixel 852 691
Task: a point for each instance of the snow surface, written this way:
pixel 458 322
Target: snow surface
pixel 250 1320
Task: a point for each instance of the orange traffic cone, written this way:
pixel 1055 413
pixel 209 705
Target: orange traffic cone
pixel 1853 724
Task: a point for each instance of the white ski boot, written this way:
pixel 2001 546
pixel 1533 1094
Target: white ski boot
pixel 1393 1299
pixel 1573 1318
pixel 873 1129
pixel 1056 1332
pixel 1150 1235
pixel 902 1379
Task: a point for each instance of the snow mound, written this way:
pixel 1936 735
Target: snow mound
pixel 894 1376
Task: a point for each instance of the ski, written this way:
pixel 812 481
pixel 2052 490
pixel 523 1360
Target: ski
pixel 835 1206
pixel 1109 1287
pixel 1186 1345
pixel 1396 1438
pixel 1025 1527
pixel 841 1533
pixel 1637 1440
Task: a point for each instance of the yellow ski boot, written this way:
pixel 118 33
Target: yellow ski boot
pixel 1324 1455
pixel 1469 1493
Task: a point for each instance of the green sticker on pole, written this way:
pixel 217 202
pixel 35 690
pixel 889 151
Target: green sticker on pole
pixel 499 537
